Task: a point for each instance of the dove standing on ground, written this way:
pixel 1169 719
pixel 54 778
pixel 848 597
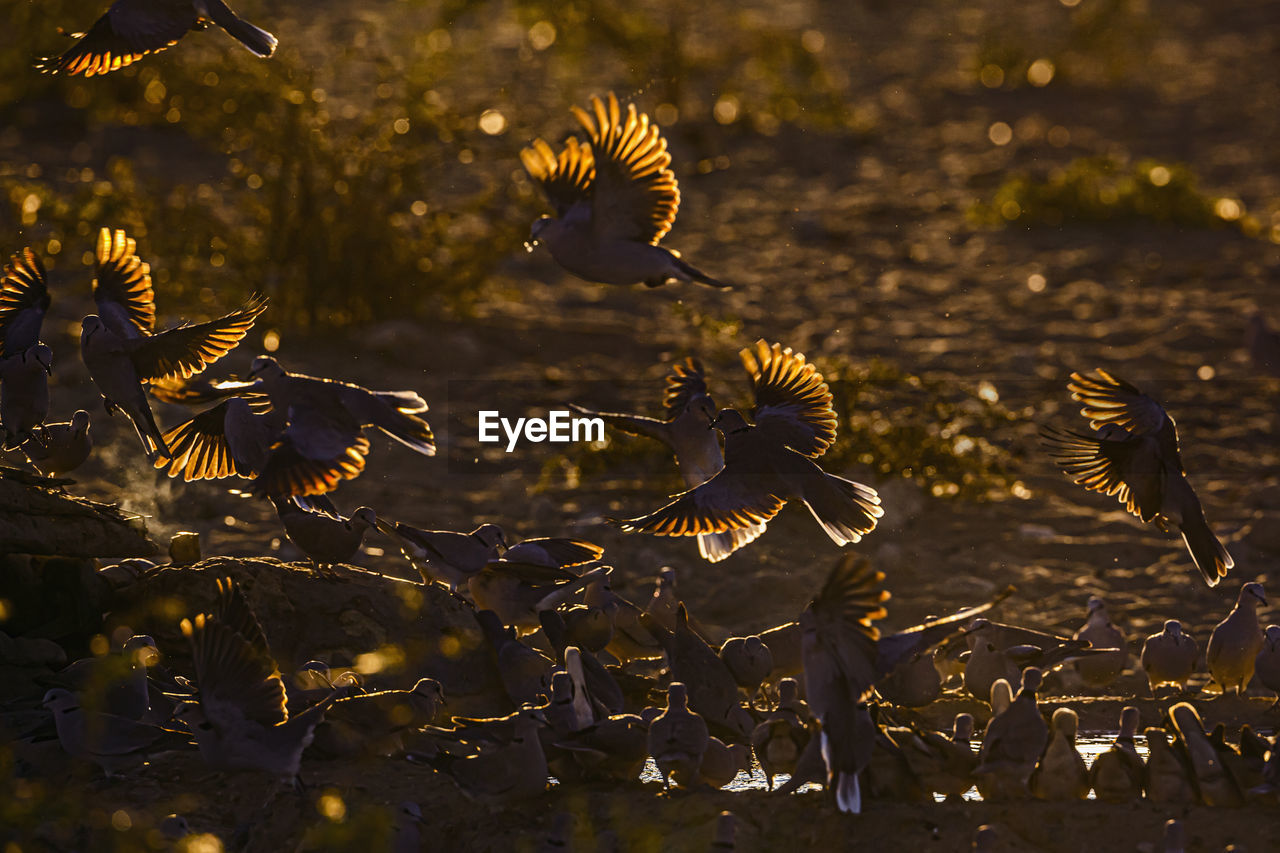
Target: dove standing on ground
pixel 748 660
pixel 57 449
pixel 778 743
pixel 1167 777
pixel 326 538
pixel 686 431
pixel 326 417
pixel 771 462
pixel 1116 775
pixel 25 362
pixel 516 769
pixel 1013 743
pixel 844 657
pixel 678 737
pixel 1133 454
pixel 712 690
pixel 1100 670
pixel 1002 651
pixel 518 592
pixel 239 717
pixel 1235 641
pixel 1212 777
pixel 1169 657
pixel 1266 665
pixel 113 743
pixel 121 349
pixel 130 29
pixel 445 555
pixel 944 764
pixel 1061 773
pixel 524 672
pixel 615 198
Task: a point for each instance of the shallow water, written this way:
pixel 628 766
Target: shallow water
pixel 1090 747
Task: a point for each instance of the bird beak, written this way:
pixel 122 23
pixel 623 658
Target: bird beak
pixel 1261 598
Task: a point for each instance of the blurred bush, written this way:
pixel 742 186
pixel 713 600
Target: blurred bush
pixel 1100 189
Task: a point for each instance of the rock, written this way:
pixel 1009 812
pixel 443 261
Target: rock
pixel 36 517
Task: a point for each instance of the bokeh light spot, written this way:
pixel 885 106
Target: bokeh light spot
pixel 492 122
pixel 542 35
pixel 1036 283
pixel 1000 133
pixel 1040 73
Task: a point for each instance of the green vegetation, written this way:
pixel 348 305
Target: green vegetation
pixel 1099 189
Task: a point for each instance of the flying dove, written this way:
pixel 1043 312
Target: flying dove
pixel 711 688
pixel 1116 775
pixel 25 362
pixel 845 656
pixel 326 417
pixel 615 198
pixel 748 660
pixel 243 436
pixel 771 462
pixel 121 349
pixel 1061 773
pixel 1132 453
pixel 678 737
pixel 689 411
pixel 1266 665
pixel 1169 657
pixel 512 770
pixel 59 448
pixel 239 717
pixel 1100 670
pixel 113 743
pixel 130 29
pixel 1013 743
pixel 555 551
pixel 1212 777
pixel 1167 777
pixel 327 540
pixel 1235 641
pixel 518 592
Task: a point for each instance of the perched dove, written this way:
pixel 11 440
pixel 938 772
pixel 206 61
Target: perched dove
pixel 117 683
pixel 113 743
pixel 988 660
pixel 613 748
pixel 1169 657
pixel 1266 665
pixel 1013 743
pixel 844 658
pixel 327 539
pixel 771 461
pixel 1100 670
pixel 1133 454
pixel 121 349
pixel 678 737
pixel 1235 641
pixel 514 769
pixel 1116 775
pixel 517 592
pixel 1212 777
pixel 326 417
pixel 25 362
pixel 712 690
pixel 453 558
pixel 240 718
pixel 524 672
pixel 748 660
pixel 944 764
pixel 1167 777
pixel 615 198
pixel 690 410
pixel 130 29
pixel 779 742
pixel 57 449
pixel 1061 773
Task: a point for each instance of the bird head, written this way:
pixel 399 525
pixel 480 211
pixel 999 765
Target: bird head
pixel 729 420
pixel 1032 678
pixel 80 422
pixel 90 326
pixel 1173 628
pixel 59 700
pixel 1253 590
pixel 962 727
pixel 490 536
pixel 1129 718
pixel 366 516
pixel 535 232
pixel 265 367
pixel 677 695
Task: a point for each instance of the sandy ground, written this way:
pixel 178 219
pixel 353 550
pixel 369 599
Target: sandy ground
pixel 852 246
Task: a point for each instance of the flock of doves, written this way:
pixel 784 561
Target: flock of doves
pixel 810 699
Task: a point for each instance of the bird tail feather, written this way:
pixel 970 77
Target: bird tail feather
pixel 694 274
pixel 1210 556
pixel 254 38
pixel 845 509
